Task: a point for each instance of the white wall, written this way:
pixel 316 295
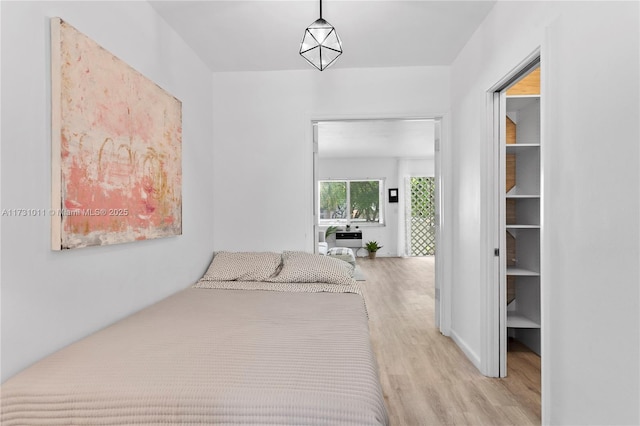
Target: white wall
pixel 50 299
pixel 263 168
pixel 590 347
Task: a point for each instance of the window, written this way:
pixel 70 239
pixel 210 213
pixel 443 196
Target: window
pixel 350 202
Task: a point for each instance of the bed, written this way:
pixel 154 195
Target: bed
pixel 282 339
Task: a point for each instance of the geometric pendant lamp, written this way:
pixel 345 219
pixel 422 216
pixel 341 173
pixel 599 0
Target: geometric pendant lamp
pixel 320 44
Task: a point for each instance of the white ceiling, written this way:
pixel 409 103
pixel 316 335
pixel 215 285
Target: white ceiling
pixel 265 35
pixel 376 138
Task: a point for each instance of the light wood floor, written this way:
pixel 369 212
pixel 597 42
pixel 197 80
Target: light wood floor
pixel 426 379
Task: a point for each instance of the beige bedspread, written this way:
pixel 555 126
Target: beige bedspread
pixel 212 356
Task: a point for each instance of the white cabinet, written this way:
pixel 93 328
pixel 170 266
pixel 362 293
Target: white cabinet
pixel 521 207
pixel 352 239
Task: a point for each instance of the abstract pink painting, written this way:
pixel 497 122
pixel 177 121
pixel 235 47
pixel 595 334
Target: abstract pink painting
pixel 116 149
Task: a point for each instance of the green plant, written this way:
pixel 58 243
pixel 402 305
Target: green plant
pixel 372 246
pixel 329 231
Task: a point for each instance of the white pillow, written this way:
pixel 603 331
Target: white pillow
pixel 323 248
pixel 243 266
pixel 302 267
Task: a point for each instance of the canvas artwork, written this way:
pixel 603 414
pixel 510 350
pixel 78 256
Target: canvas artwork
pixel 117 148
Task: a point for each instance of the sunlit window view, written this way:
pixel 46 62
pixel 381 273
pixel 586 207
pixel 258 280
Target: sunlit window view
pixel 350 201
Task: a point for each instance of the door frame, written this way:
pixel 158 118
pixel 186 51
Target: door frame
pixel 493 319
pixel 444 248
pixel 443 162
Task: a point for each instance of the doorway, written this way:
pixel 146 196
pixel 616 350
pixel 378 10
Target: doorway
pixel 513 306
pixel 350 152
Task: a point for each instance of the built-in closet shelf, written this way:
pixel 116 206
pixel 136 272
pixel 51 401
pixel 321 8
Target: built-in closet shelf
pixel 532 96
pixel 515 196
pixel 518 102
pixel 520 209
pixel 514 148
pixel 516 320
pixel 522 272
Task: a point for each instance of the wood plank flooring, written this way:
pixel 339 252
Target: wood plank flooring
pixel 426 379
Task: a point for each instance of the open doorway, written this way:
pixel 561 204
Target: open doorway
pixel 513 303
pixel 388 151
pixel 353 155
pixel 519 221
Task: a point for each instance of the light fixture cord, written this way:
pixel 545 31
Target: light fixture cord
pixel 320 9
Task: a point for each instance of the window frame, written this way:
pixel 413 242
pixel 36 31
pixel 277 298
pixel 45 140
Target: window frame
pixel 348 221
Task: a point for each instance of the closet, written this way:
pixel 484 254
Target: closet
pixel 520 208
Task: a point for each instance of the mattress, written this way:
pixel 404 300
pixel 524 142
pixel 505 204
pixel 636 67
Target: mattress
pixel 212 356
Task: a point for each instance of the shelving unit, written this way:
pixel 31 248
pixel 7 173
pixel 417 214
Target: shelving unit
pixel 521 204
pixel 516 320
pixel 514 271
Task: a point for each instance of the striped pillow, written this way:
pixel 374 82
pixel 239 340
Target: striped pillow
pixel 342 253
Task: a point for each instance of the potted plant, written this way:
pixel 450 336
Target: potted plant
pixel 372 247
pixel 330 231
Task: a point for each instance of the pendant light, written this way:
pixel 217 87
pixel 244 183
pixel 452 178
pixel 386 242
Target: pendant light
pixel 320 44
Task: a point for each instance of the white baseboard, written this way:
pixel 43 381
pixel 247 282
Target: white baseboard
pixel 473 357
